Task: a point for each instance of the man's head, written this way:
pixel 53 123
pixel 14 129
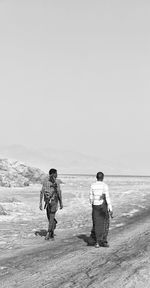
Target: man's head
pixel 100 176
pixel 53 173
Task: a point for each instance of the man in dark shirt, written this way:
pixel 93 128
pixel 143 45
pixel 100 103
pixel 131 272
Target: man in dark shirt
pixel 52 195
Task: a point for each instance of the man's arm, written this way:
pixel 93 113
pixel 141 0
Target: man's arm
pixel 41 197
pixel 59 196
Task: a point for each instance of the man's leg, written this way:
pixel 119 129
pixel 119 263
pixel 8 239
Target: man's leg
pixel 51 222
pixel 51 225
pixel 48 210
pixel 54 226
pixel 51 211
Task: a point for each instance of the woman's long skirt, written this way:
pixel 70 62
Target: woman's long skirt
pixel 100 227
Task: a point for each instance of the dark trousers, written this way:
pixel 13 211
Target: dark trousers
pixel 51 212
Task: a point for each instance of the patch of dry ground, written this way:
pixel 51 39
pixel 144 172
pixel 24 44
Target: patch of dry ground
pixel 70 263
pixel 27 260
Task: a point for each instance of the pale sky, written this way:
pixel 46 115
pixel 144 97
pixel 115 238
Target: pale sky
pixel 75 74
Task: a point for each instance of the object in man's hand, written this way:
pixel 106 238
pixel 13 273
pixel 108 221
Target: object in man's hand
pixel 61 206
pixel 111 214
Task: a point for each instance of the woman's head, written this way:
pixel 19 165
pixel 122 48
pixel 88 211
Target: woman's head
pixel 100 176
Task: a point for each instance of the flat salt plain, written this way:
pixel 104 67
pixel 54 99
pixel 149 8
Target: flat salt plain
pixel 22 230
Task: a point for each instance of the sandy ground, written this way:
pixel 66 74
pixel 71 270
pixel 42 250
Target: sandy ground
pixel 27 260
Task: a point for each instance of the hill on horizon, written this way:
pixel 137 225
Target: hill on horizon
pixel 70 162
pixel 17 174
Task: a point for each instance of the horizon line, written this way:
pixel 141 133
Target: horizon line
pixel 106 175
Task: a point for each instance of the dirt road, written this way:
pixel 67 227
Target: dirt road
pixel 69 262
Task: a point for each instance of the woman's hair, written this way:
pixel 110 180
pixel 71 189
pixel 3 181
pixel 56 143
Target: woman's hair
pixel 100 176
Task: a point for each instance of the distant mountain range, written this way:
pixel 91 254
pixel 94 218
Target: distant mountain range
pixel 77 163
pixel 64 161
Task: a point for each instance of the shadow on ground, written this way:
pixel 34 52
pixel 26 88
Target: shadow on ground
pixel 41 232
pixel 87 239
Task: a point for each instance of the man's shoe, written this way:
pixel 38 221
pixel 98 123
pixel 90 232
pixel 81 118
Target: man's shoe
pixel 104 245
pixel 97 245
pixel 52 237
pixel 47 237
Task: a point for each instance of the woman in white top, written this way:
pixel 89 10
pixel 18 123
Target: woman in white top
pixel 101 209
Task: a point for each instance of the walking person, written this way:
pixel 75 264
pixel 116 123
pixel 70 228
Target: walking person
pixel 101 211
pixel 52 195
